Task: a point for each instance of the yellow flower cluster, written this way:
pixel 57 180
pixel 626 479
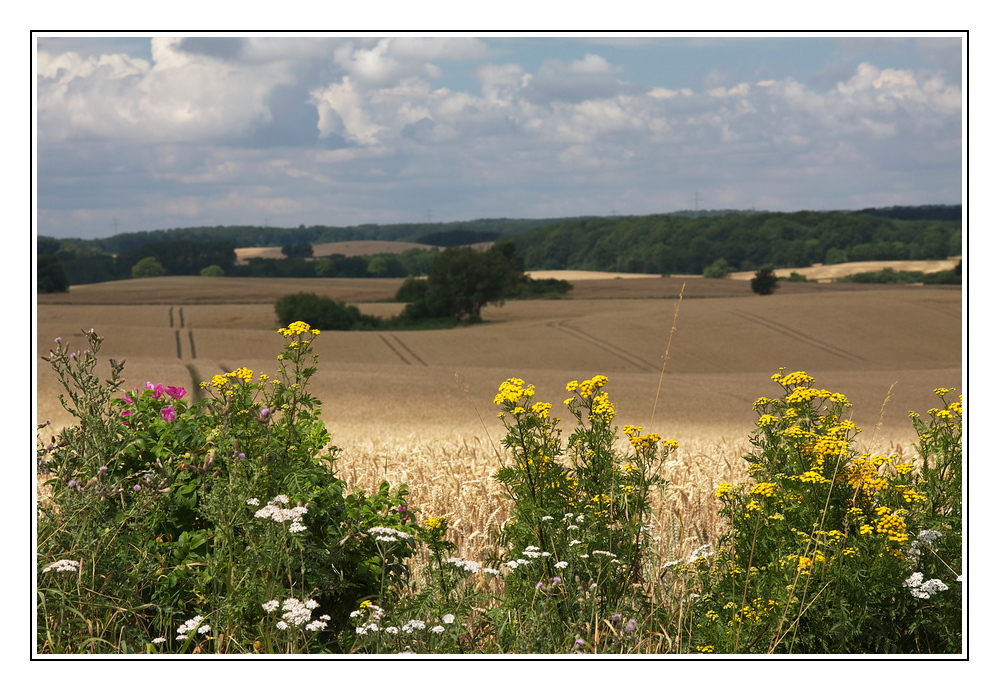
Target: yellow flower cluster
pixel 812 476
pixel 602 407
pixel 892 525
pixel 589 387
pixel 297 329
pixel 793 379
pixel 542 410
pixel 641 441
pixel 802 394
pixel 434 523
pixel 512 390
pixel 723 490
pixel 764 489
pixel 221 381
pixel 828 445
pixel 767 420
pixel 910 495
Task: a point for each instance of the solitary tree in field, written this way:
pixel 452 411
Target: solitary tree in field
pixel 462 281
pixel 765 282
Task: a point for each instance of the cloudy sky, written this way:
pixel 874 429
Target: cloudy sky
pixel 171 131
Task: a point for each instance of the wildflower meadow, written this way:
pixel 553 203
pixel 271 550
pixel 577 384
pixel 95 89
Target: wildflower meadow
pixel 170 523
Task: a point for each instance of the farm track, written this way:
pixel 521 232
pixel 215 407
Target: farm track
pixel 606 346
pixel 785 330
pixel 400 349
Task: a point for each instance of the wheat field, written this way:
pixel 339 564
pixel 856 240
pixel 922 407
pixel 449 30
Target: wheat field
pixel 416 407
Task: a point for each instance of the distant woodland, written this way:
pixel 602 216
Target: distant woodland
pixel 677 243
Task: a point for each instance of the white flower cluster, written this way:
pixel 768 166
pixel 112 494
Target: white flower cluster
pixel 63 565
pixel 297 613
pixel 190 625
pixel 702 551
pixel 375 614
pixel 924 589
pixel 924 539
pixel 414 625
pixel 278 514
pixel 530 552
pixel 466 564
pixel 384 534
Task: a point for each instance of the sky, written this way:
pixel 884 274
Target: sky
pixel 136 133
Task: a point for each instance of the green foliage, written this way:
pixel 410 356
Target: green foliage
pixel 322 312
pixel 182 258
pixel 459 236
pixel 718 269
pixel 576 541
pixel 220 520
pixel 889 275
pixel 51 275
pixel 765 282
pixel 688 244
pixel 220 526
pixel 214 271
pixel 147 267
pixel 297 250
pixel 831 551
pixel 462 281
pixel 795 277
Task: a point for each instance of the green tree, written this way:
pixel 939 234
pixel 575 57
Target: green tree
pixel 719 269
pixel 147 268
pixel 51 275
pixel 213 270
pixel 765 282
pixel 321 313
pixel 462 281
pixel 298 250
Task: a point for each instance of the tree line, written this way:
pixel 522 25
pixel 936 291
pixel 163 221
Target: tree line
pixel 675 244
pixel 682 242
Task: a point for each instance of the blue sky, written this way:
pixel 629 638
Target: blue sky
pixel 144 133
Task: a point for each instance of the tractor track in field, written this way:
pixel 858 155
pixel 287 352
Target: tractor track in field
pixel 177 337
pixel 606 346
pixel 787 331
pixel 399 348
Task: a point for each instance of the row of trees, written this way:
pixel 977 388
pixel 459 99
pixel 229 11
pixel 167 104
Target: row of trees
pixel 672 244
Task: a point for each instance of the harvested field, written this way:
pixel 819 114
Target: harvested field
pixel 859 339
pixel 350 248
pixel 416 406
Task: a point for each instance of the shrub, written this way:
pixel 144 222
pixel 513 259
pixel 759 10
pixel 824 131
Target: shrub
pixel 577 543
pixel 831 551
pixel 323 312
pixel 147 267
pixel 51 275
pixel 718 269
pixel 213 270
pixel 220 520
pixel 765 282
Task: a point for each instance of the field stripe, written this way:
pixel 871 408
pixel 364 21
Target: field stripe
pixel 171 317
pixel 798 336
pixel 631 359
pixel 176 333
pixel 393 349
pixel 194 353
pixel 181 311
pixel 408 350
